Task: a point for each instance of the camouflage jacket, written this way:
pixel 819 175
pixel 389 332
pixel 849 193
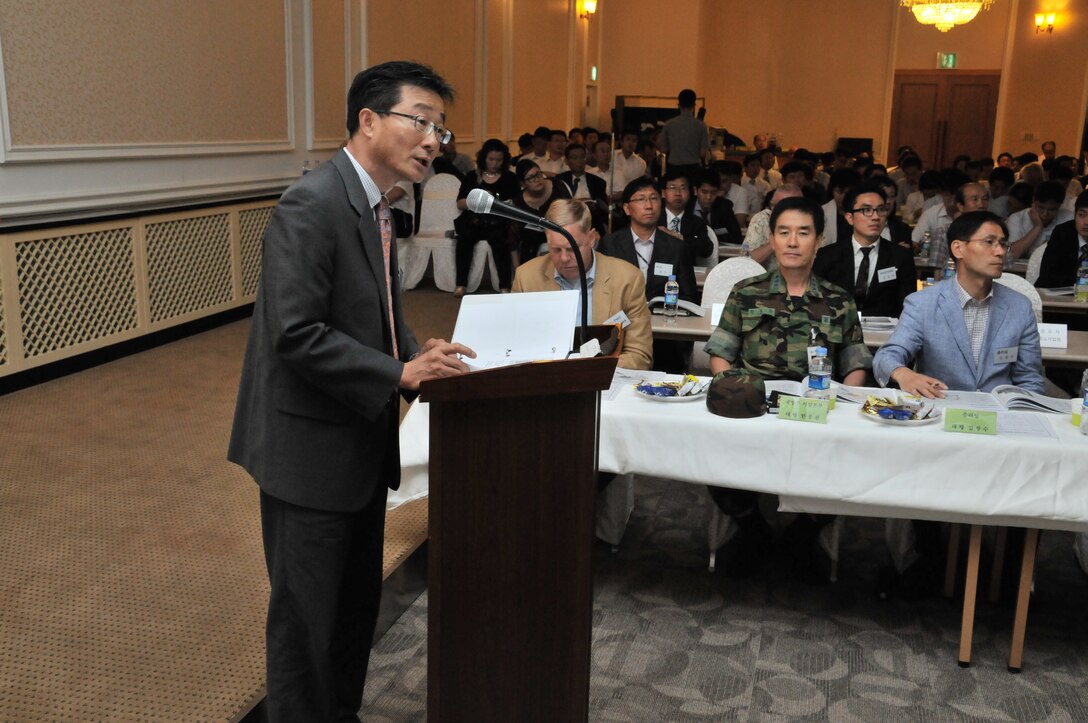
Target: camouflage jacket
pixel 770 333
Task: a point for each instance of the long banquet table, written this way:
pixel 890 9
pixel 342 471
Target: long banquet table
pixel 921 472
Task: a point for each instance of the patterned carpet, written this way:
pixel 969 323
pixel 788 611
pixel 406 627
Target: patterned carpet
pixel 673 642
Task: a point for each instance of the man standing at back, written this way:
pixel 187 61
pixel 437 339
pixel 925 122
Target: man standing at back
pixel 317 412
pixel 684 139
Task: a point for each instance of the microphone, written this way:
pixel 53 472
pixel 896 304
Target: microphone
pixel 482 202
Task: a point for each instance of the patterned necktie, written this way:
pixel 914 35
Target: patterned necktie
pixel 674 225
pixel 1083 255
pixel 574 188
pixel 385 225
pixel 861 286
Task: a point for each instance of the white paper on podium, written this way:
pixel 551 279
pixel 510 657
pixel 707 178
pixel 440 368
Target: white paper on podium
pixel 506 329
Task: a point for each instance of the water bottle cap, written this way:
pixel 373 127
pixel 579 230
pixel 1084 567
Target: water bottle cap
pixel 821 351
pixel 672 277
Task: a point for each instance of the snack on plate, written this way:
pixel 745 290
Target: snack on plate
pixel 904 409
pixel 686 387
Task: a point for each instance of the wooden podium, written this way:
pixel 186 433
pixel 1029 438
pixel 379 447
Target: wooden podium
pixel 513 461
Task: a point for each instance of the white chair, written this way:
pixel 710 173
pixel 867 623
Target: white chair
pixel 719 282
pixel 437 212
pixel 1018 283
pixel 1035 263
pixel 711 261
pixel 481 259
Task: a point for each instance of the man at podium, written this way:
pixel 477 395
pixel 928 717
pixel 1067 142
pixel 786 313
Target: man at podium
pixel 617 292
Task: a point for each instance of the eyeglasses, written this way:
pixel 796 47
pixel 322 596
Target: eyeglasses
pixel 533 177
pixel 424 126
pixel 868 211
pixel 992 242
pixel 676 189
pixel 645 199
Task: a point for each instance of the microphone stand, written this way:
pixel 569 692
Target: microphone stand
pixel 582 280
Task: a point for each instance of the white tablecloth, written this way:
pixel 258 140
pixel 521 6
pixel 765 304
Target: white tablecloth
pixel 850 465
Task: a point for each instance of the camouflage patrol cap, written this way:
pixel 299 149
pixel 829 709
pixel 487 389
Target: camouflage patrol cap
pixel 737 393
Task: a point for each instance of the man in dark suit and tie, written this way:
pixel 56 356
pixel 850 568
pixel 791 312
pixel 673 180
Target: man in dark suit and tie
pixel 576 183
pixel 317 412
pixel 1067 248
pixel 658 255
pixel 878 273
pixel 675 218
pixel 715 210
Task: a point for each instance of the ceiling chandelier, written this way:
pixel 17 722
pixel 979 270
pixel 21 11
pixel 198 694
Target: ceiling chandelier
pixel 945 15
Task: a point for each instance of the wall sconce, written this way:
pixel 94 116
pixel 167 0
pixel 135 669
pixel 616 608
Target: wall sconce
pixel 1044 23
pixel 590 8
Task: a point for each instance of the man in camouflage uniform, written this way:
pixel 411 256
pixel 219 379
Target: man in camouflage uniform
pixel 766 328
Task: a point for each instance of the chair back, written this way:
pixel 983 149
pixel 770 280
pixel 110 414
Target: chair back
pixel 439 206
pixel 1019 283
pixel 1035 263
pixel 719 283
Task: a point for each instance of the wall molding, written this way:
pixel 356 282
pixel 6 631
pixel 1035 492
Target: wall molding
pixel 11 153
pixel 314 143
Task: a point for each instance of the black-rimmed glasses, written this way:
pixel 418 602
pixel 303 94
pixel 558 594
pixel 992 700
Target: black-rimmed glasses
pixel 868 211
pixel 424 126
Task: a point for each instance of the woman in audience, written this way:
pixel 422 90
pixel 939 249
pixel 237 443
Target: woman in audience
pixel 897 229
pixel 491 174
pixel 537 194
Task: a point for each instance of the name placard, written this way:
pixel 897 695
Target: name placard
pixel 802 409
pixel 1054 336
pixel 970 421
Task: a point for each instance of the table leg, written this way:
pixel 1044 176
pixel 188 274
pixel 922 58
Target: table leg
pixel 1000 538
pixel 950 563
pixel 970 588
pixel 1023 597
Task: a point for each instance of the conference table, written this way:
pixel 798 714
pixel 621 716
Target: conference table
pixel 698 328
pixel 1013 479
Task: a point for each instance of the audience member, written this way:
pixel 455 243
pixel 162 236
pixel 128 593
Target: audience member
pixel 1001 180
pixel 1004 160
pixel 627 164
pixel 842 180
pixel 759 235
pixel 1049 148
pixel 657 255
pixel 767 162
pixel 576 183
pixel 752 180
pixel 895 230
pixel 1020 197
pixel 541 136
pixel 1030 228
pixel 525 148
pixel 537 195
pixel 877 281
pixel 716 211
pixel 491 174
pixel 910 168
pixel 617 291
pixel 647 150
pixel 798 173
pixel 743 201
pixel 1067 249
pixel 1032 173
pixel 684 138
pixel 600 156
pixel 554 163
pixel 927 196
pixel 675 194
pixel 805 311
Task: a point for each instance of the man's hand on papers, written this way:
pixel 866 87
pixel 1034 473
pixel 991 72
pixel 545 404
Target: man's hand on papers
pixel 438 358
pixel 919 385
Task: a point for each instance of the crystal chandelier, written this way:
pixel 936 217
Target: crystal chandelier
pixel 945 15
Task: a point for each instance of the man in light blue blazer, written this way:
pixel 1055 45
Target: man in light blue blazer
pixel 969 333
pixel 966 333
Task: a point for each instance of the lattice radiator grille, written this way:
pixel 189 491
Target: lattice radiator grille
pixel 188 265
pixel 3 327
pixel 75 289
pixel 252 223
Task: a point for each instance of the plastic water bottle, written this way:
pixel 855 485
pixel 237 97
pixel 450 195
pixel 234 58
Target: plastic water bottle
pixel 672 299
pixel 744 251
pixel 928 282
pixel 1080 291
pixel 819 374
pixel 927 243
pixel 950 269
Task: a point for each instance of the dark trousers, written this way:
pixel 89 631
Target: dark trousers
pixel 672 357
pixel 325 570
pixel 469 233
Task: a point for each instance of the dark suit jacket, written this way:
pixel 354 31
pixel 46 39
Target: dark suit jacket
pixel 835 263
pixel 693 229
pixel 721 219
pixel 899 231
pixel 1059 265
pixel 667 250
pixel 317 412
pixel 598 191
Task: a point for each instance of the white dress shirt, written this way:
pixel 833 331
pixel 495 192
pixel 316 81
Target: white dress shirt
pixel 740 198
pixel 1020 223
pixel 934 220
pixel 626 169
pixel 831 223
pixel 858 256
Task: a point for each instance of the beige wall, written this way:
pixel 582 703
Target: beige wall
pixel 1045 85
pixel 979 45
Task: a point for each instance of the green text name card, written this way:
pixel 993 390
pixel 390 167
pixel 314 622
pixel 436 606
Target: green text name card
pixel 970 421
pixel 802 409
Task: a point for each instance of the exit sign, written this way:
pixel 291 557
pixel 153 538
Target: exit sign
pixel 946 61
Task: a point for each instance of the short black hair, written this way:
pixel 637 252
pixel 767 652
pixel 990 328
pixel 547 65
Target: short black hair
pixel 637 185
pixel 557 132
pixel 1049 191
pixel 525 140
pixel 1022 192
pixel 379 87
pixel 802 204
pixel 1002 173
pixel 628 132
pixel 525 165
pixel 750 158
pixel 930 180
pixel 966 224
pixel 675 175
pixel 960 198
pixel 851 196
pixel 1004 154
pixel 706 177
pixel 952 178
pixel 911 162
pixel 543 132
pixel 728 168
pixel 686 98
pixel 589 129
pixel 845 178
pixel 574 147
pixel 797 167
pixel 1081 202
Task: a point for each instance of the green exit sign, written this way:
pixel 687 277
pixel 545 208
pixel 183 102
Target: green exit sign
pixel 946 61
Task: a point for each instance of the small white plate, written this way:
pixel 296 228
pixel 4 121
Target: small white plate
pixel 654 397
pixel 935 416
